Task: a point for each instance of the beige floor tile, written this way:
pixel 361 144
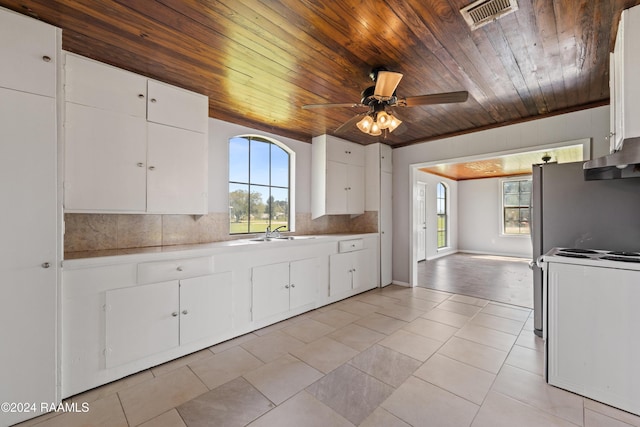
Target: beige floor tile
pixel 325 354
pixel 474 354
pixel 502 411
pixel 531 389
pixel 530 340
pixel 301 410
pixel 422 404
pixel 271 346
pixel 508 311
pixel 335 318
pixel 389 366
pixel 357 337
pixel 277 326
pixel 350 392
pixel 447 317
pixel 498 323
pixel 219 348
pixel 156 396
pixel 105 412
pixel 456 377
pixel 491 337
pixel 282 378
pixel 112 388
pixel 430 329
pixel 182 361
pixel 400 312
pixel 356 307
pixel 308 330
pixel 596 419
pixel 417 303
pixel 380 323
pixel 383 418
pixel 526 358
pixel 168 419
pixel 612 412
pixel 459 307
pixel 235 403
pixel 469 300
pixel 224 367
pixel 411 344
pixel 431 295
pixel 376 299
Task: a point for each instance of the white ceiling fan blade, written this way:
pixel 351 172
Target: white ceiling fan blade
pixel 386 83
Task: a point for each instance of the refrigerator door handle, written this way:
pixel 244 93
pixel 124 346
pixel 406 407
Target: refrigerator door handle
pixel 532 264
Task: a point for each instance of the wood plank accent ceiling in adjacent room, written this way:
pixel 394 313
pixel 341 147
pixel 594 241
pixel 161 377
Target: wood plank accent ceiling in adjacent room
pixel 260 61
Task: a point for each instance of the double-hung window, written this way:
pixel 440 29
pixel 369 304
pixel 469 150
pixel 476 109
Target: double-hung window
pixel 442 213
pixel 516 213
pixel 259 185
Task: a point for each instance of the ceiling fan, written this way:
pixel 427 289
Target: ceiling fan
pixel 382 96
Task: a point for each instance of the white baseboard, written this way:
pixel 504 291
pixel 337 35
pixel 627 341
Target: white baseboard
pixel 495 254
pixel 399 283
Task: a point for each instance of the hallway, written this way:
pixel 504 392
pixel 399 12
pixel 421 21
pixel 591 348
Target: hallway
pixel 496 278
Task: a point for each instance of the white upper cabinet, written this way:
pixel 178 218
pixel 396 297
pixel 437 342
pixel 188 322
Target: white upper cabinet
pixel 625 93
pixel 29 54
pixel 337 177
pixel 132 145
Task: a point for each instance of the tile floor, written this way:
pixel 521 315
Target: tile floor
pixel 389 357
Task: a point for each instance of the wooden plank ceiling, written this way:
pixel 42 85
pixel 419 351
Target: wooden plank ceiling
pixel 260 61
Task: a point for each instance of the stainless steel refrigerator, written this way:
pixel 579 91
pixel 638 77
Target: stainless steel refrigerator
pixel 569 212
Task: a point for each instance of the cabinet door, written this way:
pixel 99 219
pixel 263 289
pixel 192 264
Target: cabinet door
pixel 337 188
pixel 355 192
pixel 205 307
pixel 177 174
pixel 304 275
pixel 270 290
pixel 344 151
pixel 29 239
pixel 340 273
pixel 386 228
pixel 364 267
pixel 141 321
pixel 102 86
pixel 105 159
pixel 29 55
pixel 177 107
pixel 386 158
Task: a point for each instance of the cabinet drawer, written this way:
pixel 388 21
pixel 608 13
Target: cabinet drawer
pixel 350 245
pixel 161 271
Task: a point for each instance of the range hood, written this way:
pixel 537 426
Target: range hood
pixel 624 163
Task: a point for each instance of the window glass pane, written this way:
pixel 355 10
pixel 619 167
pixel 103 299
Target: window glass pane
pixel 511 187
pixel 238 208
pixel 259 162
pixel 278 206
pixel 239 160
pixel 512 199
pixel 279 167
pixel 525 186
pixel 524 199
pixel 511 220
pixel 257 207
pixel 524 221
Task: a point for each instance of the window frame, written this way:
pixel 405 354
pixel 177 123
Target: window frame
pixel 445 215
pixel 291 177
pixel 502 206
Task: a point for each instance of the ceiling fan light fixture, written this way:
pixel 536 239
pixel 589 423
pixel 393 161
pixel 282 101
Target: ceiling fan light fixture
pixel 383 119
pixel 394 122
pixel 375 129
pixel 365 124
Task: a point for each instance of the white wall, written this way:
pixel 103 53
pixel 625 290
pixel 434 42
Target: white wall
pixel 592 123
pixel 479 220
pixel 219 134
pixel 432 219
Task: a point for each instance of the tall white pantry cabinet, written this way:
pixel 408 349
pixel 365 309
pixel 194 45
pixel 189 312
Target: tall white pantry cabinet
pixel 30 249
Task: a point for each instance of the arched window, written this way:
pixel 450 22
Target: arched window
pixel 259 185
pixel 442 213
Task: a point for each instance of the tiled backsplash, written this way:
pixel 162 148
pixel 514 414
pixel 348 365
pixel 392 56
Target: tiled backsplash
pixel 91 232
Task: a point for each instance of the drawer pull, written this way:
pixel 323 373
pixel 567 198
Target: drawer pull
pixel 185 312
pixel 174 314
pixel 179 268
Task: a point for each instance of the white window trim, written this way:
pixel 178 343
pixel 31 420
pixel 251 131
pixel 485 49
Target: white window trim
pixel 501 207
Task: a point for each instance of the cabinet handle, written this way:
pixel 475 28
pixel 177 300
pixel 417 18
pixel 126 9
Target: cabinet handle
pixel 349 188
pixel 286 286
pixel 152 168
pixel 345 188
pixel 153 100
pixel 140 164
pixel 45 265
pixel 140 95
pixel 179 268
pixel 185 312
pixel 293 286
pixel 46 58
pixel 174 314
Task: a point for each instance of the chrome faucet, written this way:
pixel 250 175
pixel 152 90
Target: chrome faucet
pixel 268 234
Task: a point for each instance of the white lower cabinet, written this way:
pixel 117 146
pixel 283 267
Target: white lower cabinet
pixel 282 287
pixel 351 271
pixel 149 319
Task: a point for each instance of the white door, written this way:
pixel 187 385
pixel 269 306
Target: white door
pixel 270 285
pixel 206 307
pixel 303 282
pixel 420 218
pixel 386 230
pixel 177 166
pixel 141 321
pixel 28 189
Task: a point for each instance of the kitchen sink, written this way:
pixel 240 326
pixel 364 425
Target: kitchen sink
pixel 281 238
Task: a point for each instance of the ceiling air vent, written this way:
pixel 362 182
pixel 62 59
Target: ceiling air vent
pixel 482 12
